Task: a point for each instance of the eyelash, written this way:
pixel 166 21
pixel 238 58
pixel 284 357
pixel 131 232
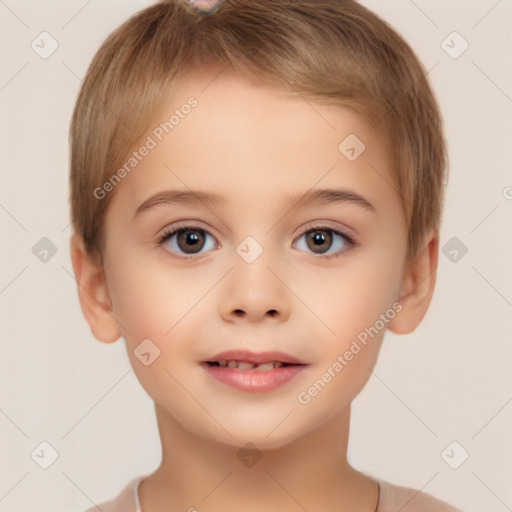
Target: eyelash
pixel 180 228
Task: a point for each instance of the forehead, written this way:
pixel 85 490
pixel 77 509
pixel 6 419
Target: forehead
pixel 241 138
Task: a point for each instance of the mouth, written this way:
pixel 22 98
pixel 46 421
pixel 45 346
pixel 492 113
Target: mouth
pixel 251 371
pixel 246 360
pixel 245 365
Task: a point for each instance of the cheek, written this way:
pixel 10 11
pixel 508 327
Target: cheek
pixel 354 299
pixel 355 306
pixel 167 307
pixel 150 302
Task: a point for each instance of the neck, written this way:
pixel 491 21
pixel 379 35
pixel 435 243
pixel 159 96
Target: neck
pixel 310 473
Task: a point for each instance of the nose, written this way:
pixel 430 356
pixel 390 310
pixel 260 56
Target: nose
pixel 253 292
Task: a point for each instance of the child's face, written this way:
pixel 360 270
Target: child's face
pixel 199 294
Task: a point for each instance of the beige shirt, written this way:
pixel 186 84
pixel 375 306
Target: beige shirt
pixel 392 498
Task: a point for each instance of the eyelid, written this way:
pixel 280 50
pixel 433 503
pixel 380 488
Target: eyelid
pixel 329 225
pixel 185 224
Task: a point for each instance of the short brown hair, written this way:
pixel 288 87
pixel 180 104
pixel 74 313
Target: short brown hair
pixel 329 50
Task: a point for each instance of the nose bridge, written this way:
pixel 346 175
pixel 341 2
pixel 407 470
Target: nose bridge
pixel 252 291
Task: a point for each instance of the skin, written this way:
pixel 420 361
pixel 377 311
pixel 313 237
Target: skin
pixel 254 145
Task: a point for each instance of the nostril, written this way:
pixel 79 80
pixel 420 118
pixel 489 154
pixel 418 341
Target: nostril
pixel 240 312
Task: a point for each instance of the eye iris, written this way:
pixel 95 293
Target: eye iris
pixel 319 239
pixel 190 239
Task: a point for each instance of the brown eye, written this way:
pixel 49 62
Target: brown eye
pixel 190 241
pixel 324 241
pixel 319 240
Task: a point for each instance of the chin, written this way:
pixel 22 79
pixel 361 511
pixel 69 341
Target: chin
pixel 257 441
pixel 265 437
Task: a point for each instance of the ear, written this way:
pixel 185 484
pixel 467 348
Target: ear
pixel 93 293
pixel 418 282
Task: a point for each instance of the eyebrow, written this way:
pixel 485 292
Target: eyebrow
pixel 170 197
pixel 327 196
pixel 314 196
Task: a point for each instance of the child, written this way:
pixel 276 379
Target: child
pixel 256 192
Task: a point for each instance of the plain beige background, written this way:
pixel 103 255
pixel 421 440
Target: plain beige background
pixel 449 381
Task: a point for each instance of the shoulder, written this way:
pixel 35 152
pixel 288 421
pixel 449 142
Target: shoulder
pixel 394 497
pixel 126 500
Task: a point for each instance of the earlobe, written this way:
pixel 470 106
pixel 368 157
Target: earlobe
pixel 417 287
pixel 93 293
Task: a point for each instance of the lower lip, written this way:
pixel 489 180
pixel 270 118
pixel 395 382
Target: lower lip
pixel 254 381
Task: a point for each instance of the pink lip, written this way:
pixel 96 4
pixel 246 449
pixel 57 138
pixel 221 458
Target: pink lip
pixel 254 381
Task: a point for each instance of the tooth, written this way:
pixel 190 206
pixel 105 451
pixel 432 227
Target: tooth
pixel 266 366
pixel 245 366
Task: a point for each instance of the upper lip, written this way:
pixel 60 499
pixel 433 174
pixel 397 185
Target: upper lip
pixel 254 357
